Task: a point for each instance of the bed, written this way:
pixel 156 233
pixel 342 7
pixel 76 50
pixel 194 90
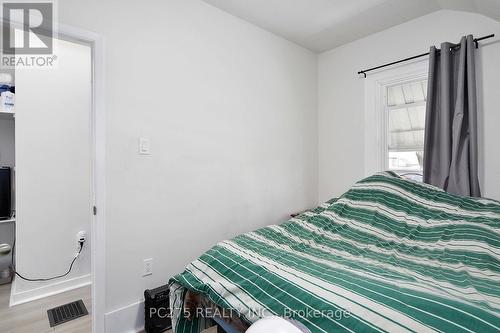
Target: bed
pixel 389 255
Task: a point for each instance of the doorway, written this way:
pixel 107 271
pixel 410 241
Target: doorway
pixel 59 151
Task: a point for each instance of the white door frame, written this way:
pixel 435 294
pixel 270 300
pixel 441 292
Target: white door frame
pixel 98 128
pixel 98 118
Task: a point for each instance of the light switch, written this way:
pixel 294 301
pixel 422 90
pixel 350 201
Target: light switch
pixel 144 146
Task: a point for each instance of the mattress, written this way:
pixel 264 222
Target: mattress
pixel 389 255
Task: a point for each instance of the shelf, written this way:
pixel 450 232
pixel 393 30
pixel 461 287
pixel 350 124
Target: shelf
pixel 7 221
pixel 7 115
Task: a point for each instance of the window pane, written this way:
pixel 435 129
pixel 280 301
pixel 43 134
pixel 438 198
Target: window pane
pixel 417 117
pixel 395 96
pixel 424 89
pixel 418 92
pixel 402 140
pixel 406 128
pixel 407 93
pixel 399 120
pixel 406 161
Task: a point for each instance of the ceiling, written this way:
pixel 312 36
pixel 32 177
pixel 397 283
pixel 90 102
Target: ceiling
pixel 321 25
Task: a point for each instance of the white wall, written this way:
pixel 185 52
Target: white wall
pixel 231 114
pixel 53 172
pixel 341 94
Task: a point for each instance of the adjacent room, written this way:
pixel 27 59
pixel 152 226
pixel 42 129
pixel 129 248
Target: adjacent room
pixel 231 166
pixel 46 191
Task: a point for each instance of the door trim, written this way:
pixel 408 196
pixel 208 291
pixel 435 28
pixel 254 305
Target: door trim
pixel 98 116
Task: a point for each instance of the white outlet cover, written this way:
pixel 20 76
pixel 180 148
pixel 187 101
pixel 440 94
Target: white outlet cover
pixel 148 267
pixel 81 234
pixel 144 146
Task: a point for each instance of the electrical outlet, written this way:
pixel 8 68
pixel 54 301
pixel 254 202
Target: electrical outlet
pixel 81 236
pixel 148 267
pixel 144 146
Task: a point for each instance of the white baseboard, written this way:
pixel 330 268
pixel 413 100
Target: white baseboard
pixel 128 319
pixel 17 297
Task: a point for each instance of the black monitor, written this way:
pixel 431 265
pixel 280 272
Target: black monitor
pixel 5 193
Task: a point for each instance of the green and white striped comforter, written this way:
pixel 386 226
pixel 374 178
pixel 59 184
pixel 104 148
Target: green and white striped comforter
pixel 389 255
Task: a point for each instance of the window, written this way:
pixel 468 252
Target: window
pixel 395 101
pixel 405 115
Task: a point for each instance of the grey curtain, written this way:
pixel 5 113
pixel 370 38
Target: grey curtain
pixel 450 146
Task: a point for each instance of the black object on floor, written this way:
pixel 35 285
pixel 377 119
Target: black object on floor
pixel 66 312
pixel 157 310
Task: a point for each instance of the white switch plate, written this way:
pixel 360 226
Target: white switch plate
pixel 144 146
pixel 148 267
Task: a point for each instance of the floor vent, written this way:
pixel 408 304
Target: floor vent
pixel 66 312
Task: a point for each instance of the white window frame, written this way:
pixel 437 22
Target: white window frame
pixel 376 117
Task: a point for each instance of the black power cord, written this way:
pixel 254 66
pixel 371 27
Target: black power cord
pixel 54 277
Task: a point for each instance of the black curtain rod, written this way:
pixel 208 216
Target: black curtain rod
pixel 476 40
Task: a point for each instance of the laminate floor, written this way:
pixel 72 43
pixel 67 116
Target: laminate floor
pixel 32 317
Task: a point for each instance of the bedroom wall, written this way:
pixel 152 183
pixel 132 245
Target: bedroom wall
pixel 230 111
pixel 341 94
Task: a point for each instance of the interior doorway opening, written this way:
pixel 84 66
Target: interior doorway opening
pixel 48 247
